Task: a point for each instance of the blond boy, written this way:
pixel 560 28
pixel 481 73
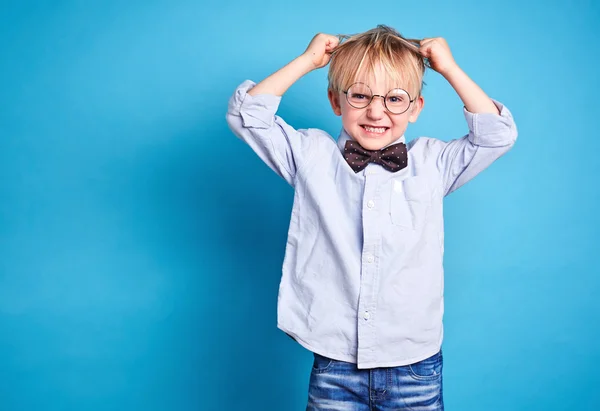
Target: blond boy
pixel 362 282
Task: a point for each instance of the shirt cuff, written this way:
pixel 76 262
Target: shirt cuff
pixel 256 111
pixel 491 130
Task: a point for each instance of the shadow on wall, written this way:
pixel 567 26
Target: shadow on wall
pixel 224 219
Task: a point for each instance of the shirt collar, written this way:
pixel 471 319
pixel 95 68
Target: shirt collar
pixel 341 142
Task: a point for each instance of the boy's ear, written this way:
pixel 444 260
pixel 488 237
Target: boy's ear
pixel 416 109
pixel 334 99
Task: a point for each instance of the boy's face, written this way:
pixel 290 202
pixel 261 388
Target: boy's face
pixel 374 127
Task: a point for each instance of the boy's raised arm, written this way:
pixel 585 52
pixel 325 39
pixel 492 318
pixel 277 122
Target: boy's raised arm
pixel 317 55
pixel 441 60
pixel 492 131
pixel 251 113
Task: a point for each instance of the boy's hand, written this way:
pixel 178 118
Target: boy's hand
pixel 320 48
pixel 439 55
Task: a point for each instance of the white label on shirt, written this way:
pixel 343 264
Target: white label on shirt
pixel 398 186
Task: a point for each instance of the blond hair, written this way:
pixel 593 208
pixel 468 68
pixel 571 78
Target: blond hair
pixel 359 54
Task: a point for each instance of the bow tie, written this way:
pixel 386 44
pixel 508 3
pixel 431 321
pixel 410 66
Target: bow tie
pixel 393 158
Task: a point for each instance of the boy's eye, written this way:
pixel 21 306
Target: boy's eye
pixel 396 99
pixel 358 96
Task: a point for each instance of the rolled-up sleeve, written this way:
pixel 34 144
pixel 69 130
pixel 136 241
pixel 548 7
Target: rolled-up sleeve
pixel 252 118
pixel 490 136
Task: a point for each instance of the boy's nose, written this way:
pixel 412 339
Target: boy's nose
pixel 377 108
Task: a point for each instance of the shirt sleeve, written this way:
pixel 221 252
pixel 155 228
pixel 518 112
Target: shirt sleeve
pixel 253 119
pixel 490 136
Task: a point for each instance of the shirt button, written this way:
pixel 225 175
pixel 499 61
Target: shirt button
pixel 370 259
pixel 366 315
pixel 371 204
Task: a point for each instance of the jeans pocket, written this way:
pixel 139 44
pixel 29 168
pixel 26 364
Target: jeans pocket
pixel 429 369
pixel 321 364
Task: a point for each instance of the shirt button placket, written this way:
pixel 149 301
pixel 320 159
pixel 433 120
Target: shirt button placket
pixel 369 266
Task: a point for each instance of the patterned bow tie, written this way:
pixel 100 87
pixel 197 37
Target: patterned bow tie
pixel 393 158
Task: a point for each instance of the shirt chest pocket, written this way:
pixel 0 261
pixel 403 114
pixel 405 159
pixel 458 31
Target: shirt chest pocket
pixel 410 202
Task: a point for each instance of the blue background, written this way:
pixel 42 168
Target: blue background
pixel 138 270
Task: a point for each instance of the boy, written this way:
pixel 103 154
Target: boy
pixel 362 282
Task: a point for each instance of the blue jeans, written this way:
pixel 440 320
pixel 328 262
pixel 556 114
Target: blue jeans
pixel 340 386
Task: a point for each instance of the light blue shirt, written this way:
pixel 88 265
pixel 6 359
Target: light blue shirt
pixel 363 279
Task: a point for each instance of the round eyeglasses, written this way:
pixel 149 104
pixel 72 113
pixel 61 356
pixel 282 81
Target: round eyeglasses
pixel 396 101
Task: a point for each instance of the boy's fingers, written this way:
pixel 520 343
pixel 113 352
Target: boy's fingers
pixel 424 48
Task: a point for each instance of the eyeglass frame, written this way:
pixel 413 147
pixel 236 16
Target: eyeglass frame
pixel 379 95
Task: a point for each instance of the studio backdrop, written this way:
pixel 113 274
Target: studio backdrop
pixel 141 242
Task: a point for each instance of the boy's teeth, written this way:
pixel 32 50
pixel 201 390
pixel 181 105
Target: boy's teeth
pixel 375 130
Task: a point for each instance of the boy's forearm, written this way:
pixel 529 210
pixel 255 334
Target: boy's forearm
pixel 278 82
pixel 472 96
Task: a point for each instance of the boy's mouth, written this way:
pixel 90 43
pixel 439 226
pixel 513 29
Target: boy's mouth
pixel 374 130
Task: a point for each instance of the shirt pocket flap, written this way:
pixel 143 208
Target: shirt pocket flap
pixel 413 189
pixel 410 202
